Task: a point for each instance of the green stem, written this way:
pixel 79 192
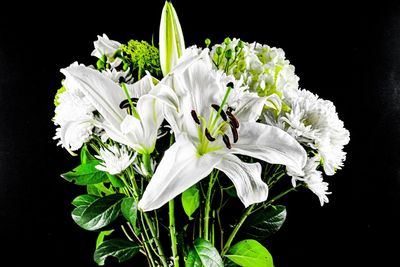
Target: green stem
pixel 172 231
pixel 160 250
pixel 247 212
pixel 244 216
pixel 134 113
pixel 147 163
pixel 208 206
pixel 148 253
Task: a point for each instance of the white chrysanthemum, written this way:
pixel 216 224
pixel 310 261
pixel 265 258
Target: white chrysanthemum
pixel 263 69
pixel 313 179
pixel 115 159
pixel 116 75
pixel 74 116
pixel 104 46
pixel 315 123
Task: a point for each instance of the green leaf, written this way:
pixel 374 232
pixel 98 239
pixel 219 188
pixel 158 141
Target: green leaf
pixel 86 174
pixel 100 237
pixel 85 155
pixel 84 200
pixel 193 259
pixel 265 222
pixel 99 213
pixel 205 252
pixel 115 181
pixel 250 253
pixel 99 189
pixel 191 200
pixel 92 189
pixel 121 249
pixel 129 210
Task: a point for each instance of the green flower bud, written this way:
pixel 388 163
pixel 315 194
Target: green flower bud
pixel 228 54
pixel 219 50
pixel 103 58
pixel 100 64
pixel 125 67
pixel 227 40
pixel 241 44
pixel 207 42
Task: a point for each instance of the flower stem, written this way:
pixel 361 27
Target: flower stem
pixel 172 231
pixel 147 163
pixel 208 206
pixel 160 250
pixel 244 216
pixel 247 212
pixel 134 113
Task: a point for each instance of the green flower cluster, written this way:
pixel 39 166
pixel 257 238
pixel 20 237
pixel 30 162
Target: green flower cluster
pixel 140 56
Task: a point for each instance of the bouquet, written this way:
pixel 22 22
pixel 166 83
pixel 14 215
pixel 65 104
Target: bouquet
pixel 172 139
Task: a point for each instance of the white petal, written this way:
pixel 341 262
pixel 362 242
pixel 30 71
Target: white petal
pixel 141 87
pixel 247 179
pixel 151 117
pixel 250 108
pixel 179 169
pixel 270 144
pixel 102 92
pixel 129 124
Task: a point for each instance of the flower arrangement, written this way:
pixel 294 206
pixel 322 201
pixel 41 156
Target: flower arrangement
pixel 174 132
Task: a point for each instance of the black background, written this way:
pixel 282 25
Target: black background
pixel 348 54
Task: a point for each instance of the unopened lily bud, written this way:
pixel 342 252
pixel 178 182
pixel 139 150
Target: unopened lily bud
pixel 172 43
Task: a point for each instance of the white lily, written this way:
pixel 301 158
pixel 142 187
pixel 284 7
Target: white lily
pixel 138 132
pixel 211 125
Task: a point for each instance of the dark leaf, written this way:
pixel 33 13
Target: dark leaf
pixel 121 249
pixel 265 222
pixel 99 213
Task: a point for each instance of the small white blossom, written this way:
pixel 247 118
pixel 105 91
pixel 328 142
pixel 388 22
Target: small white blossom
pixel 74 116
pixel 104 46
pixel 115 159
pixel 313 179
pixel 314 122
pixel 116 75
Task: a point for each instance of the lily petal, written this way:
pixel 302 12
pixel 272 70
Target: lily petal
pixel 270 144
pixel 151 117
pixel 102 92
pixel 141 87
pixel 179 169
pixel 246 177
pixel 250 108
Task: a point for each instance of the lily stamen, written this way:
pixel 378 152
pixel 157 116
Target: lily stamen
pixel 233 120
pixel 226 140
pixel 195 117
pixel 222 113
pixel 235 134
pixel 208 135
pixel 125 103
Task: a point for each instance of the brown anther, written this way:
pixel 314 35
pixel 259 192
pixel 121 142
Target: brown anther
pixel 233 120
pixel 225 138
pixel 125 103
pixel 222 113
pixel 235 134
pixel 208 135
pixel 194 116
